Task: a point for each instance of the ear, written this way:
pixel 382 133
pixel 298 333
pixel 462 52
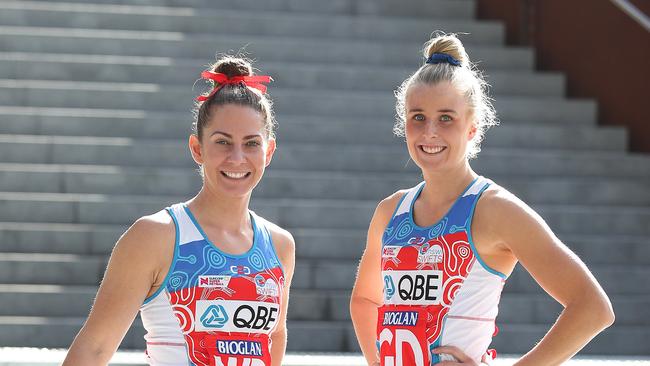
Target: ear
pixel 195 149
pixel 472 132
pixel 270 150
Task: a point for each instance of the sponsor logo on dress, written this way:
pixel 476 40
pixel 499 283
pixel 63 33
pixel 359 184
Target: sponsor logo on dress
pixel 236 316
pixel 215 316
pixel 266 287
pixel 430 254
pixel 214 281
pixel 240 270
pixel 389 287
pixel 390 251
pixel 401 318
pixel 240 348
pixel 416 287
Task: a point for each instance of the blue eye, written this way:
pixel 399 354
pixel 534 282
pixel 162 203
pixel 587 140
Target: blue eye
pixel 419 117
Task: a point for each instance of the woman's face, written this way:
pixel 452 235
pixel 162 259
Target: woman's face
pixel 234 150
pixel 439 125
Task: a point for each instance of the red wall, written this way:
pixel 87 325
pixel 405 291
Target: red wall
pixel 604 54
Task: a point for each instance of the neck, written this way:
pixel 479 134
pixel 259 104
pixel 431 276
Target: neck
pixel 445 186
pixel 228 213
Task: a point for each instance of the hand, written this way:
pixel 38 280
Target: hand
pixel 459 355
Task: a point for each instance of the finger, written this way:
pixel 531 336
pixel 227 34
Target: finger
pixel 454 351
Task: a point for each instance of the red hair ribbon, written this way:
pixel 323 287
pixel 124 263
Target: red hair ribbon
pixel 252 81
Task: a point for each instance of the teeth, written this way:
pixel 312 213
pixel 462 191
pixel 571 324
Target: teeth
pixel 432 149
pixel 235 175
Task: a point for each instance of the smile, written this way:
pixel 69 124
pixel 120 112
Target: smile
pixel 235 175
pixel 432 149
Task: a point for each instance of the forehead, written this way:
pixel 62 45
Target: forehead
pixel 441 95
pixel 236 120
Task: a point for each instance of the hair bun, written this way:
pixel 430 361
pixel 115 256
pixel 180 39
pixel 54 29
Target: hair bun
pixel 233 66
pixel 449 44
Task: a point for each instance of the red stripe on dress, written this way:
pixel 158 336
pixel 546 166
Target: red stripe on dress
pixel 166 344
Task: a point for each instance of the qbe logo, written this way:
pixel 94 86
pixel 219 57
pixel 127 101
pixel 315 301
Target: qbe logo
pixel 215 316
pixel 236 316
pixel 389 287
pixel 420 287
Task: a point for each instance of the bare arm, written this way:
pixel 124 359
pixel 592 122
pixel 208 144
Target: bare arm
pixel 587 310
pixel 132 271
pixel 367 294
pixel 286 249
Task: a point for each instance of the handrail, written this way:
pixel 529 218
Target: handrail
pixel 633 12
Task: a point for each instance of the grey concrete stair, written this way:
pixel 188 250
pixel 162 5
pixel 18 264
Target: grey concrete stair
pixel 307 213
pixel 48 178
pixel 146 18
pixel 317 102
pixel 269 49
pixel 359 158
pixel 294 128
pixel 85 68
pixel 463 9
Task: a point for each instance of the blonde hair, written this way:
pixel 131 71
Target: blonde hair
pixel 466 77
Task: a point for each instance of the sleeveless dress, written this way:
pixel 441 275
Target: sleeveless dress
pixel 437 290
pixel 214 308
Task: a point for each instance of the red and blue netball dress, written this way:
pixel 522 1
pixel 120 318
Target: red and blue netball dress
pixel 214 308
pixel 437 290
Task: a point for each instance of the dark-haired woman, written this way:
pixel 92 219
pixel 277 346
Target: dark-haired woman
pixel 442 250
pixel 209 276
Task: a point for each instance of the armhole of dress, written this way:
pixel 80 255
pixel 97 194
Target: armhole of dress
pixel 173 263
pixel 469 232
pixel 399 204
pixel 261 225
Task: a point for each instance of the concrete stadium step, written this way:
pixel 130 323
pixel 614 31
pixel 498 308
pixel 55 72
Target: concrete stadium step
pixel 316 243
pixel 358 157
pixel 39 93
pixel 227 21
pixel 48 178
pixel 305 304
pixel 293 128
pixel 285 75
pixel 454 9
pixel 304 213
pixel 171 45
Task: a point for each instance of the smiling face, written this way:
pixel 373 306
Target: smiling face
pixel 234 150
pixel 439 125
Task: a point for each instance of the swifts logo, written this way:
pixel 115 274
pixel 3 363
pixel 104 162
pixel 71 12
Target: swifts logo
pixel 430 254
pixel 266 287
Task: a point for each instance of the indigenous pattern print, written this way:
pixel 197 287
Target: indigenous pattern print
pixel 224 307
pixel 430 275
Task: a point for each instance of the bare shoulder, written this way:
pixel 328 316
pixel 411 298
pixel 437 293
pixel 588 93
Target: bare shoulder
pixel 150 240
pixel 388 205
pixel 498 206
pixel 285 244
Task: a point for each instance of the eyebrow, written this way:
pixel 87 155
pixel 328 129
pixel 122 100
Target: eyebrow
pixel 230 136
pixel 439 110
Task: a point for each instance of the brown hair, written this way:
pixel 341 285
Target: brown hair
pixel 238 94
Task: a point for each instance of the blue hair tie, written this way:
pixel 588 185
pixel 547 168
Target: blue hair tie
pixel 437 58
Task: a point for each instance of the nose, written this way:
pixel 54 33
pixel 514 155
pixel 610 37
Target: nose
pixel 236 154
pixel 431 129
